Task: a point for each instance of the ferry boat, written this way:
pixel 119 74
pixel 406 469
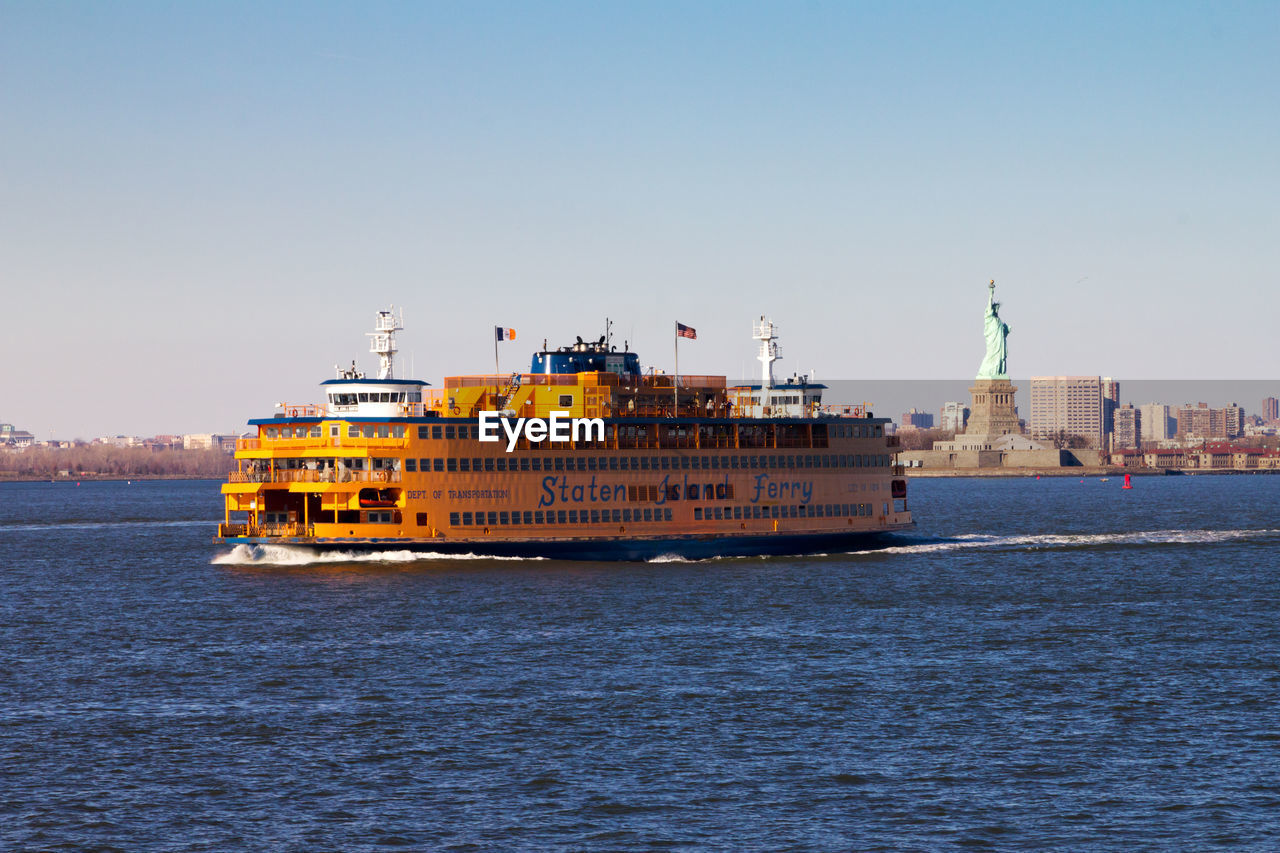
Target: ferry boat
pixel 626 464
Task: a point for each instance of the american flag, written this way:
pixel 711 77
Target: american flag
pixel 683 331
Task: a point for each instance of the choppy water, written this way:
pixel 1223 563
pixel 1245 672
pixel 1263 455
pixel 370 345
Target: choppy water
pixel 1043 665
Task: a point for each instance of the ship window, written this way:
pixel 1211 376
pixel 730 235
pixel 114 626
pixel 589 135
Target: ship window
pixel 528 518
pixel 411 464
pixel 573 516
pixel 644 463
pixel 694 462
pixel 626 516
pixel 488 464
pixel 448 432
pixel 613 463
pixel 384 431
pixel 502 463
pixel 582 463
pixel 591 463
pixel 559 463
pixel 617 515
pixel 424 432
pixel 455 519
pixel 697 513
pixel 733 462
pixel 475 463
pixel 524 463
pixel 397 431
pixel 333 430
pixel 737 512
pixel 315 431
pixel 595 516
pixel 515 518
pixel 536 463
pixel 537 517
pixel 560 517
pixel 466 518
pixel 435 431
pixel 684 463
pixel 464 464
pixel 566 399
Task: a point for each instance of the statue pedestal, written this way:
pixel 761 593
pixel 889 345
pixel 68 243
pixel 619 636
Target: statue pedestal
pixel 992 412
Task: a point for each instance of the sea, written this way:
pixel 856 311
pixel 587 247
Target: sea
pixel 1041 664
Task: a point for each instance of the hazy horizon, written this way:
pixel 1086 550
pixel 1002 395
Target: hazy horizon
pixel 206 206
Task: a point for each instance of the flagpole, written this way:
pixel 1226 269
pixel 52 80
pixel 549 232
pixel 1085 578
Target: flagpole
pixel 495 353
pixel 675 386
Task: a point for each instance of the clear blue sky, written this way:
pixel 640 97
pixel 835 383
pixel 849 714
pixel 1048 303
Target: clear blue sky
pixel 205 204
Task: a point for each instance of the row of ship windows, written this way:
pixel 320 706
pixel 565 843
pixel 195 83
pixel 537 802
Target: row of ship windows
pixel 648 463
pixel 628 516
pixel 571 516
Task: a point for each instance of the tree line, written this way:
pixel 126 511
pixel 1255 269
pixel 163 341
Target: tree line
pixel 106 460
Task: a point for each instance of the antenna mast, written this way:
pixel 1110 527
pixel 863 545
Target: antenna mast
pixel 384 340
pixel 767 334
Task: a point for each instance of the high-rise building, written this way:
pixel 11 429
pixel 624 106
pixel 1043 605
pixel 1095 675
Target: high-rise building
pixel 916 419
pixel 1110 402
pixel 1199 421
pixel 954 416
pixel 1128 428
pixel 1270 409
pixel 1157 424
pixel 1072 405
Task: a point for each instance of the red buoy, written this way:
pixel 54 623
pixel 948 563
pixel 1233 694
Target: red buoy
pixel 1127 484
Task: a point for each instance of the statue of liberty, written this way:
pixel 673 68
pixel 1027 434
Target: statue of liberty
pixel 996 331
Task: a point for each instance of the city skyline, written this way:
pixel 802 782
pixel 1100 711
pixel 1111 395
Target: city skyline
pixel 206 206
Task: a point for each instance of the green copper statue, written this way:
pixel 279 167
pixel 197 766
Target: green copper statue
pixel 996 331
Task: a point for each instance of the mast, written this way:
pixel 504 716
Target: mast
pixel 383 344
pixel 766 333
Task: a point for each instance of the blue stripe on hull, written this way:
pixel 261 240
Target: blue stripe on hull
pixel 690 547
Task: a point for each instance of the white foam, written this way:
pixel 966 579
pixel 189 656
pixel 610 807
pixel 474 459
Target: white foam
pixel 1069 540
pixel 669 558
pixel 286 555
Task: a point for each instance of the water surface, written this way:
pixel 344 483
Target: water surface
pixel 1042 664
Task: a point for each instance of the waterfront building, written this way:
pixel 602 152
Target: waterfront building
pixel 1270 410
pixel 1201 421
pixel 10 436
pixel 1157 424
pixel 916 419
pixel 1073 405
pixel 1128 428
pixel 954 416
